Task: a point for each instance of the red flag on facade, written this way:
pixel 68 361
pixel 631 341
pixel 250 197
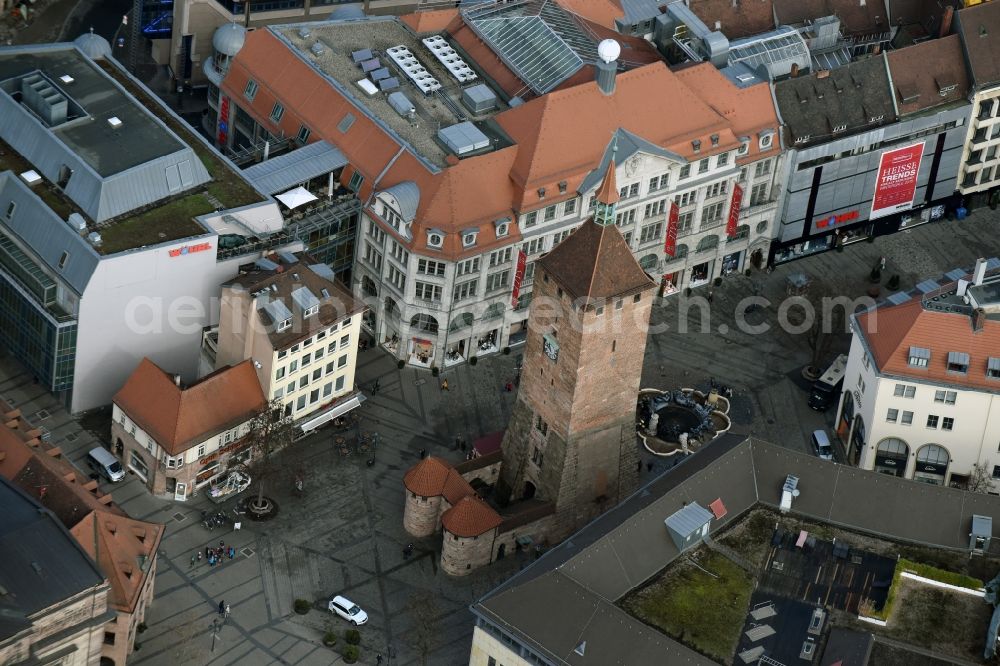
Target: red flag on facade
pixel 670 245
pixel 734 211
pixel 522 262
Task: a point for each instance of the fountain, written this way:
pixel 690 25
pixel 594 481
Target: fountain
pixel 680 421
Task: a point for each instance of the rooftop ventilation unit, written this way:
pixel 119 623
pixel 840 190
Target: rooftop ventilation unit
pixel 95 238
pixel 447 56
pixel 360 56
pixel 76 221
pixel 463 138
pixel 479 98
pixel 31 177
pixel 416 72
pixel 789 492
pixel 402 105
pixel 304 32
pixel 317 49
pixel 39 96
pixel 115 122
pixel 67 79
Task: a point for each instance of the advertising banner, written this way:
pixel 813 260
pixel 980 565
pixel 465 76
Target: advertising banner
pixel 896 182
pixel 670 245
pixel 734 211
pixel 522 262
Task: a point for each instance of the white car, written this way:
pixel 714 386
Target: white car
pixel 348 610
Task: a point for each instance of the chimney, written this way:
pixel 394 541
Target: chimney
pixel 607 66
pixel 978 320
pixel 980 272
pixel 949 14
pixel 177 380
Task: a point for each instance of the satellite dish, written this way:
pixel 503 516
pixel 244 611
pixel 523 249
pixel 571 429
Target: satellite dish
pixel 609 50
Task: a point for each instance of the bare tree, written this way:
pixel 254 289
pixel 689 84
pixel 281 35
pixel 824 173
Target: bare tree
pixel 426 613
pixel 820 316
pixel 980 479
pixel 269 432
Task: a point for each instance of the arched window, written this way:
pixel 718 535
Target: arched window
pixel 648 262
pixel 742 231
pixel 892 447
pixel 391 309
pixel 424 323
pixel 495 311
pixel 682 251
pixel 463 320
pixel 708 243
pixel 933 454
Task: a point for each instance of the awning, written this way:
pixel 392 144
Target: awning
pixel 332 413
pixel 297 197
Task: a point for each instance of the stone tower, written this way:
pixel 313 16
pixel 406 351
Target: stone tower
pixel 571 439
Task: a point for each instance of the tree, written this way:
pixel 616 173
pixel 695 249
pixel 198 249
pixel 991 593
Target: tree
pixel 426 614
pixel 819 316
pixel 269 431
pixel 980 479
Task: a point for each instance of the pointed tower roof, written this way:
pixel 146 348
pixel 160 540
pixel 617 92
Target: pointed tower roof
pixel 607 193
pixel 470 517
pixel 595 262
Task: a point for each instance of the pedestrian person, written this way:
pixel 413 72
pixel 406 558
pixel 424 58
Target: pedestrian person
pixel 194 558
pixel 711 295
pixel 222 608
pixel 232 552
pixel 377 386
pixel 378 659
pixel 227 612
pixel 444 385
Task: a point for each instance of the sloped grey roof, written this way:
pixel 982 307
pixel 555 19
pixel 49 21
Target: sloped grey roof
pixel 280 173
pixel 43 564
pixel 623 145
pixel 42 234
pixel 114 170
pixel 407 195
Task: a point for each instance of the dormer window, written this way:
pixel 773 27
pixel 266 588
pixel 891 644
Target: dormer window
pixel 284 324
pixel 715 139
pixel 839 128
pixel 562 187
pixel 919 357
pixel 766 140
pixel 311 311
pixel 696 145
pixel 541 192
pixel 993 368
pixel 802 139
pixel 502 227
pixel 744 146
pixel 958 362
pixel 469 238
pixel 435 239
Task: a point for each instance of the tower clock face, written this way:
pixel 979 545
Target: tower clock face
pixel 551 348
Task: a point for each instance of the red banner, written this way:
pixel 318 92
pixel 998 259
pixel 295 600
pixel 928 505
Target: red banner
pixel 734 211
pixel 670 245
pixel 223 122
pixel 522 262
pixel 896 183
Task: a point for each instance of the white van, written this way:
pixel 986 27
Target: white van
pixel 105 464
pixel 821 444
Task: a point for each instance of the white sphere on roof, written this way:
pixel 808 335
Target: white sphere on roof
pixel 93 45
pixel 609 50
pixel 228 40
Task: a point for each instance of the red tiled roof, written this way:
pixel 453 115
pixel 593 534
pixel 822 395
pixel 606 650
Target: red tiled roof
pixel 177 417
pixel 433 477
pixel 736 19
pixel 890 331
pixel 470 517
pixel 595 262
pixel 924 69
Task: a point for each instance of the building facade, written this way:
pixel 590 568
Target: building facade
pixel 979 177
pixel 850 127
pixel 300 328
pixel 921 393
pixel 446 248
pixel 164 434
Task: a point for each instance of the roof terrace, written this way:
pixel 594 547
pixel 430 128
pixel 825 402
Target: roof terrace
pixel 329 47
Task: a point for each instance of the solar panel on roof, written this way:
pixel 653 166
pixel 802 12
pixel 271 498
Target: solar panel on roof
pixel 379 74
pixel 361 56
pixel 992 263
pixel 370 65
pixel 899 297
pixel 390 83
pixel 956 274
pixel 927 286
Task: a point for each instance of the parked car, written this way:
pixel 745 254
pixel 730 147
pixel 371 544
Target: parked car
pixel 821 444
pixel 348 610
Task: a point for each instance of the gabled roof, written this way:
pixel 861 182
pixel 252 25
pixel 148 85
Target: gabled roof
pixel 890 330
pixel 470 517
pixel 928 68
pixel 178 418
pixel 979 28
pixel 42 564
pixel 622 146
pixel 595 262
